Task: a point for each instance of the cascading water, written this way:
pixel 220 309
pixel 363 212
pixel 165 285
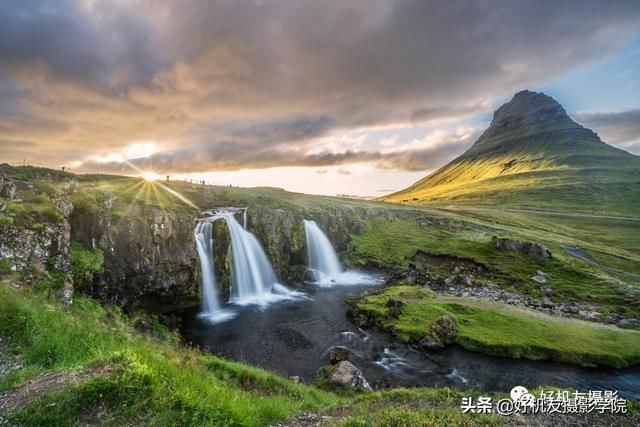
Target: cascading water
pixel 252 277
pixel 204 245
pixel 321 255
pixel 324 266
pixel 253 280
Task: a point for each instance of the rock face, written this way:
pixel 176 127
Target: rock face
pixel 148 255
pixel 440 334
pixel 534 250
pixel 347 375
pixel 7 188
pixel 48 245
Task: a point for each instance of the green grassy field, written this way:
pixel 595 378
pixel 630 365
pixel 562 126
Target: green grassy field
pixel 145 377
pixel 504 330
pixel 391 244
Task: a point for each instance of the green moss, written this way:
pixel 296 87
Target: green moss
pixel 34 209
pixel 85 263
pixel 504 330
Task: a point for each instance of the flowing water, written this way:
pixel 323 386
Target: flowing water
pixel 293 338
pixel 253 280
pixel 320 253
pixel 211 309
pixel 323 261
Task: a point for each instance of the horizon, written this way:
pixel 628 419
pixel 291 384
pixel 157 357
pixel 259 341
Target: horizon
pixel 335 99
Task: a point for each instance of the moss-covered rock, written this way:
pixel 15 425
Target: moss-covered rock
pixel 440 334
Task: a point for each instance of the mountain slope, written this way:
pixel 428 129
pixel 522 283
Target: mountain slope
pixel 534 155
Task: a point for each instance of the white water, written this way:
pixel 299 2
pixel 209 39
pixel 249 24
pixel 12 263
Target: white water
pixel 210 304
pixel 321 255
pixel 253 280
pixel 323 260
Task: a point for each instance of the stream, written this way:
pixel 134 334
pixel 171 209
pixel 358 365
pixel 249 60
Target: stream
pixel 294 337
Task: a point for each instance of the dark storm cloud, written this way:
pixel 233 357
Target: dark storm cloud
pixel 615 127
pixel 224 84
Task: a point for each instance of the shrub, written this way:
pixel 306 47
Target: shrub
pixel 6 220
pixel 44 187
pixel 85 263
pixel 5 265
pixel 85 202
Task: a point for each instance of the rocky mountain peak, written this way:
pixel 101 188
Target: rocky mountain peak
pixel 526 111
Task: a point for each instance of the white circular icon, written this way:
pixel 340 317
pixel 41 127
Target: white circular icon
pixel 517 392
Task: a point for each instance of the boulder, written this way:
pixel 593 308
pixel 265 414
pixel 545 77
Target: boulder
pixel 508 244
pixel 629 323
pixel 310 276
pixel 338 354
pixel 296 379
pixel 347 375
pixel 534 250
pixel 547 303
pixel 538 278
pixel 440 334
pixel 538 251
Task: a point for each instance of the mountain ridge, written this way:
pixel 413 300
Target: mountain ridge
pixel 530 146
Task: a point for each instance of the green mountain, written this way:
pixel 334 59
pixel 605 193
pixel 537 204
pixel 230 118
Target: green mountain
pixel 533 155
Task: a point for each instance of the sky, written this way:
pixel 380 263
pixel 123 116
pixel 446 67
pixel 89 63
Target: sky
pixel 359 97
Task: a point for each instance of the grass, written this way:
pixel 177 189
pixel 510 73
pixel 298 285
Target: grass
pixel 152 380
pixel 85 263
pixel 155 380
pixel 553 166
pixel 503 330
pixel 395 243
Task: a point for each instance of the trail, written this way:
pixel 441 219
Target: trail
pixel 581 255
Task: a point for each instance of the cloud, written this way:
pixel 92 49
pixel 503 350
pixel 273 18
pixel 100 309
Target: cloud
pixel 621 128
pixel 427 153
pixel 226 85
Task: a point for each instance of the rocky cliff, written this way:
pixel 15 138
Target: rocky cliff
pixel 149 250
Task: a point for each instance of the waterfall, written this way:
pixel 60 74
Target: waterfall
pixel 252 277
pixel 253 280
pixel 321 255
pixel 324 266
pixel 204 245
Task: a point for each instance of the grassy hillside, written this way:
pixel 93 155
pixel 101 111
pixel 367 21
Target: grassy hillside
pixel 534 156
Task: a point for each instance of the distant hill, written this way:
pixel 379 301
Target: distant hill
pixel 533 155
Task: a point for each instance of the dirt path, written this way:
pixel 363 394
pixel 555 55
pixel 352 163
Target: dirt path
pixel 47 383
pixel 581 255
